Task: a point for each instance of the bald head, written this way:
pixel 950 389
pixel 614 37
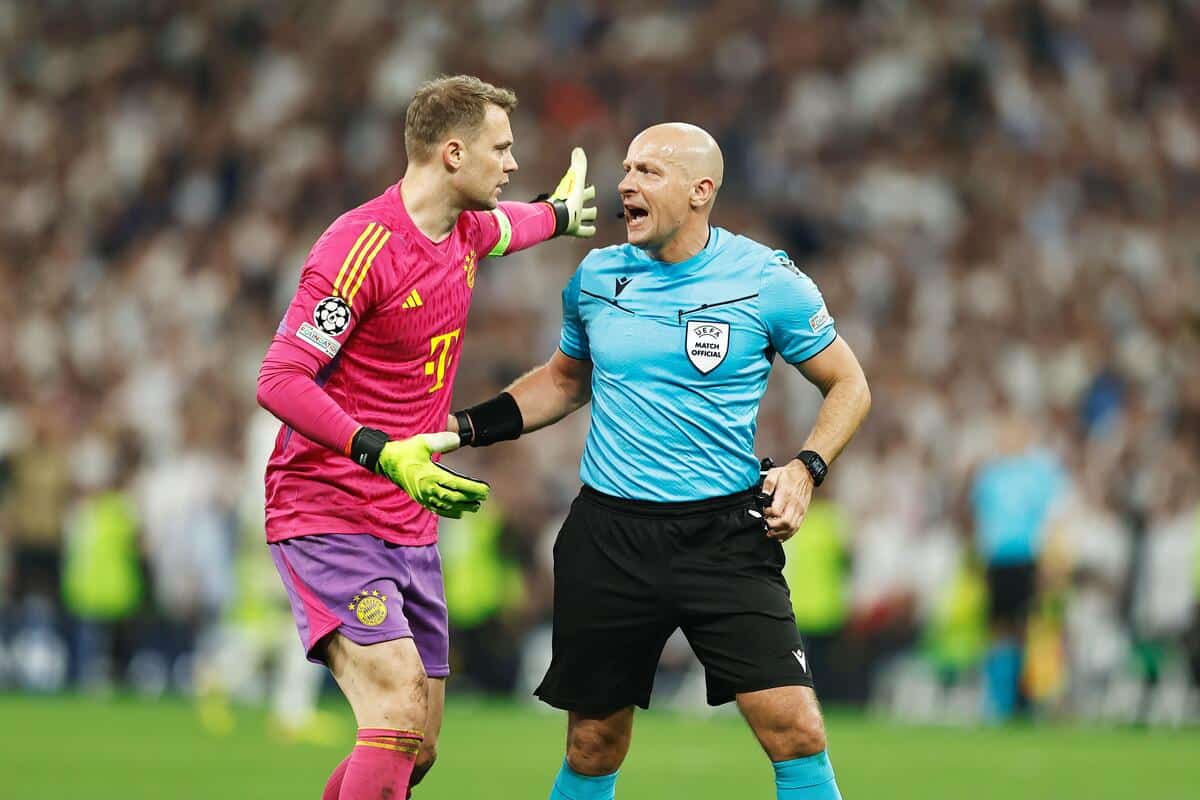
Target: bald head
pixel 672 174
pixel 688 147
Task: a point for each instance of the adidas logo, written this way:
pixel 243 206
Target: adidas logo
pixel 413 301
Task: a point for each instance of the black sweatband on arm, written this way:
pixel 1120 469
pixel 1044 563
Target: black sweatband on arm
pixel 562 214
pixel 495 420
pixel 366 446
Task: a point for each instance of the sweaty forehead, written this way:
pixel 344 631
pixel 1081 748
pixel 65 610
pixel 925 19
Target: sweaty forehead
pixel 653 149
pixel 685 147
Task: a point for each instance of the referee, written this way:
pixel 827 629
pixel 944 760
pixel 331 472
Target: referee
pixel 671 338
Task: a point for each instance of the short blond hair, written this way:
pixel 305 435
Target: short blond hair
pixel 450 104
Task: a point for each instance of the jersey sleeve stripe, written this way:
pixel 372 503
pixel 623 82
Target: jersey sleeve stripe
pixel 370 260
pixel 505 233
pixel 349 257
pixel 359 259
pixel 400 748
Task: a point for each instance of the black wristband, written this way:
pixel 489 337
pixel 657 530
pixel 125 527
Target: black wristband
pixel 495 420
pixel 562 214
pixel 466 428
pixel 815 465
pixel 366 446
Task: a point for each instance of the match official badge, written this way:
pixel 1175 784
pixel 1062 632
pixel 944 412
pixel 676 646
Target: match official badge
pixel 332 316
pixel 470 265
pixel 369 607
pixel 707 344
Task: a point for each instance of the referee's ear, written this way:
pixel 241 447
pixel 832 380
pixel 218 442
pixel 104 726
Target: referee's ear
pixel 703 192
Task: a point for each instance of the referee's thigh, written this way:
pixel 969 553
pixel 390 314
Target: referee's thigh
pixel 609 620
pixel 736 608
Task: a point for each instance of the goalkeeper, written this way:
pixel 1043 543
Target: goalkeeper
pixel 671 337
pixel 360 372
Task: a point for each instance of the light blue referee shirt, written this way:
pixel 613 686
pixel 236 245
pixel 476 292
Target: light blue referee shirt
pixel 1012 497
pixel 681 354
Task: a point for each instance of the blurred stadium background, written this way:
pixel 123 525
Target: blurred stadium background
pixel 998 198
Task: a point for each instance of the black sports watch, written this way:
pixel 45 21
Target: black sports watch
pixel 816 465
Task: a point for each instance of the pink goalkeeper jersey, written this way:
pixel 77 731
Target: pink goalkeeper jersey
pixel 372 338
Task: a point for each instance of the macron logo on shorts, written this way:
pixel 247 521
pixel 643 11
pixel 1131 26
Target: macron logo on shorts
pixel 799 654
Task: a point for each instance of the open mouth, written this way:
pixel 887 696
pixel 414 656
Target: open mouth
pixel 634 215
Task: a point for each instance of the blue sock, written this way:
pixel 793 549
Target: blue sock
pixel 1001 674
pixel 570 785
pixel 808 778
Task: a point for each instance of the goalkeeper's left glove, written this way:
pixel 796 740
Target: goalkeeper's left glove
pixel 407 463
pixel 573 218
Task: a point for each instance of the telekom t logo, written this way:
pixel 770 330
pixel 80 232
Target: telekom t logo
pixel 439 354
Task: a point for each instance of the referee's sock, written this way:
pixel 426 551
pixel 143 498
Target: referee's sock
pixel 808 778
pixel 1002 679
pixel 570 785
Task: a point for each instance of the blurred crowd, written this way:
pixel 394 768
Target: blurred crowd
pixel 998 199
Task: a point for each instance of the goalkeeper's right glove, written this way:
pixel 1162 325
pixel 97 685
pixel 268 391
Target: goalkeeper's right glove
pixel 407 463
pixel 568 199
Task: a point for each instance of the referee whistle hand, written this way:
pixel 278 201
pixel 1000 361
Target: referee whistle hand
pixel 792 488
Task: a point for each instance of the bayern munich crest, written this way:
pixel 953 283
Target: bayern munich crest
pixel 707 344
pixel 332 316
pixel 370 607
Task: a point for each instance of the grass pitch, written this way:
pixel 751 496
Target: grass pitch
pixel 70 747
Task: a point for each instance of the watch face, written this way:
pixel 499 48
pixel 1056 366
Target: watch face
pixel 815 464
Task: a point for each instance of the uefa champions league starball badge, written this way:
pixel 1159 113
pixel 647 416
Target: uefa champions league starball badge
pixel 332 315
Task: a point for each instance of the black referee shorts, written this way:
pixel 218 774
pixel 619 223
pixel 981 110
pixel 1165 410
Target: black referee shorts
pixel 1010 592
pixel 627 573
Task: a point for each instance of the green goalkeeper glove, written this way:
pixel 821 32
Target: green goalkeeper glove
pixel 407 463
pixel 573 217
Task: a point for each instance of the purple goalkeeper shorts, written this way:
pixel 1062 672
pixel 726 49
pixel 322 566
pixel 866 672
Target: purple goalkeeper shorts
pixel 368 590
